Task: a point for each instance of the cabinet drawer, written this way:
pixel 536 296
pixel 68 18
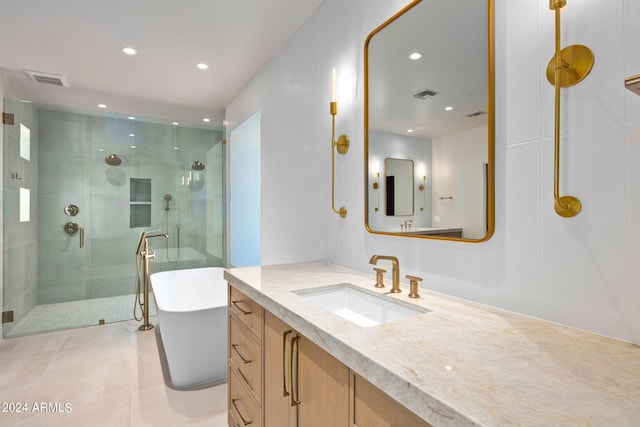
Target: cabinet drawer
pixel 247 311
pixel 242 407
pixel 245 356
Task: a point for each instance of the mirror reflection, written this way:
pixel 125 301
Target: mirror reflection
pixel 429 112
pixel 398 174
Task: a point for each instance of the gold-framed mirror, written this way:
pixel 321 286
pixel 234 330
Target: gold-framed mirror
pixel 429 99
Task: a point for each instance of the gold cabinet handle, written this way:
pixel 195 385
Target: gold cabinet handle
pixel 237 305
pixel 285 392
pixel 244 421
pixel 81 230
pixel 235 348
pixel 294 396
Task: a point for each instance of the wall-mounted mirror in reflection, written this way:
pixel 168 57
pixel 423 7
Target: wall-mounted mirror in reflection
pixel 429 101
pixel 398 187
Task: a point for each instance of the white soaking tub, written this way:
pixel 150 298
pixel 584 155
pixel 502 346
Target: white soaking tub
pixel 192 312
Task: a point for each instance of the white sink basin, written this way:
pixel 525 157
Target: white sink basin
pixel 362 307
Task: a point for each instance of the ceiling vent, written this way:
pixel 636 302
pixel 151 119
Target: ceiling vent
pixel 476 114
pixel 47 78
pixel 425 94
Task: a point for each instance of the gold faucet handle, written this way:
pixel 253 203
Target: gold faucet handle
pixel 379 277
pixel 413 285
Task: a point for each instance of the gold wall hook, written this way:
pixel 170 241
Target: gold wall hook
pixel 568 67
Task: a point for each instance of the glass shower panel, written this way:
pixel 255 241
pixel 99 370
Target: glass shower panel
pixel 89 159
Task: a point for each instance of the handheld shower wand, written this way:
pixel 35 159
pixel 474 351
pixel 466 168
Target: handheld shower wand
pixel 167 199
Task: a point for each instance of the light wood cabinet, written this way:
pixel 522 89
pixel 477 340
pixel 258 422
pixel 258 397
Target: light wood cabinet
pixel 371 407
pixel 304 385
pixel 279 378
pixel 245 360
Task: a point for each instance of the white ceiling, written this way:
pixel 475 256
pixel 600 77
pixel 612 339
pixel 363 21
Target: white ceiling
pixel 452 37
pixel 82 40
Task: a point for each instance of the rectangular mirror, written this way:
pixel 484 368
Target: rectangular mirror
pixel 429 105
pixel 398 174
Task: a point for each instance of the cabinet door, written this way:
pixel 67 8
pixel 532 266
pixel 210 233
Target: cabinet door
pixel 374 408
pixel 278 408
pixel 321 386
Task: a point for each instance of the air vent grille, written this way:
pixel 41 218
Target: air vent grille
pixel 425 94
pixel 47 78
pixel 476 114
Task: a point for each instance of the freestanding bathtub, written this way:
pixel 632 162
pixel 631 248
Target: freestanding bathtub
pixel 192 312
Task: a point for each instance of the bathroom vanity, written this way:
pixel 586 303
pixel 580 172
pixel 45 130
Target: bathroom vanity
pixel 450 362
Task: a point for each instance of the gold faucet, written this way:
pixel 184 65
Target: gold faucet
pixel 395 278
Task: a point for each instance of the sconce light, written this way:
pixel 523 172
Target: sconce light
pixel 422 172
pixel 375 168
pixel 567 67
pixel 341 145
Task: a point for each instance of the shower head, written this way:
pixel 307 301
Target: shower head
pixel 197 166
pixel 167 199
pixel 113 160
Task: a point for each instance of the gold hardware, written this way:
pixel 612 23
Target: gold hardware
pixel 413 286
pixel 81 229
pixel 71 210
pixel 375 186
pixel 568 67
pixel 633 84
pixel 101 322
pixel 7 118
pixel 379 277
pixel 285 392
pixel 244 421
pixel 245 312
pixel 244 360
pixel 341 146
pixel 7 316
pixel 395 272
pixel 70 228
pixel 14 175
pixel 294 400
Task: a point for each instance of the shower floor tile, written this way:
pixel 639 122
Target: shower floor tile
pixel 75 314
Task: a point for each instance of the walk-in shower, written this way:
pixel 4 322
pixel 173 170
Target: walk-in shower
pixel 53 282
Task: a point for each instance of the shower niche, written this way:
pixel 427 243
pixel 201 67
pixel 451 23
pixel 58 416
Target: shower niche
pixel 140 202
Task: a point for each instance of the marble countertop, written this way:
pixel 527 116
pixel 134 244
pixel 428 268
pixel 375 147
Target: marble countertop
pixel 462 364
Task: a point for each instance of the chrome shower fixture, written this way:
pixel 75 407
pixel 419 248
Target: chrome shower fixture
pixel 167 199
pixel 197 165
pixel 113 160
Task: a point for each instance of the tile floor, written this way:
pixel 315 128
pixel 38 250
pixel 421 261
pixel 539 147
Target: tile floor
pixel 110 375
pixel 76 314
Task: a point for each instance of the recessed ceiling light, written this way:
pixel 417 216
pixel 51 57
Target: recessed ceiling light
pixel 102 106
pixel 101 149
pixel 131 118
pixel 410 130
pixel 448 108
pixel 132 134
pixel 133 146
pixel 129 50
pixel 175 123
pixel 202 66
pixel 206 120
pixel 176 148
pixel 415 56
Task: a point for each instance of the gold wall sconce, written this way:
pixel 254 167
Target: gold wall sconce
pixel 341 145
pixel 568 67
pixel 375 168
pixel 423 174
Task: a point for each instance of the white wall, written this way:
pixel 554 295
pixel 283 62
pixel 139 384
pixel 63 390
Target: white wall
pixel 458 172
pixel 582 271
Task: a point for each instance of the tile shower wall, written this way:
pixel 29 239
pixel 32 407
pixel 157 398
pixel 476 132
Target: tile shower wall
pixel 583 272
pixel 72 169
pixel 19 238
